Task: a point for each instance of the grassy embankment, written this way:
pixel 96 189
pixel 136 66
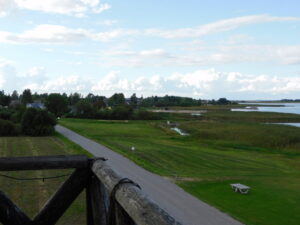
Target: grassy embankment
pixel 223 148
pixel 32 195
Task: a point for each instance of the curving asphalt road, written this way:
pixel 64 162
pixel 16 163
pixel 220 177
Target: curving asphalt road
pixel 178 203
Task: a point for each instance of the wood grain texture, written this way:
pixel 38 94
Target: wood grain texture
pixel 140 208
pixel 97 202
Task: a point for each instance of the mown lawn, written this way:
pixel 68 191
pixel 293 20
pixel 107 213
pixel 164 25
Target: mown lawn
pixel 30 196
pixel 213 156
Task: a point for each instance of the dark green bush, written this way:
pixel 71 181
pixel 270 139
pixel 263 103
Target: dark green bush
pixel 7 128
pixel 146 115
pixel 5 114
pixel 36 122
pixel 121 113
pixel 103 114
pixel 16 116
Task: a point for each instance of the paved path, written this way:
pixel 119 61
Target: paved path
pixel 181 205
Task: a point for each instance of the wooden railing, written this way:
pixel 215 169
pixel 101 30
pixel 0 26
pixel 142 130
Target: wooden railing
pixel 111 199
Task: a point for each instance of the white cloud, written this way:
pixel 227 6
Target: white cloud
pixel 144 53
pixel 113 34
pixel 2 14
pixel 108 22
pixel 202 83
pixel 208 56
pixel 5 62
pixel 218 26
pixel 208 83
pixel 237 39
pixel 57 34
pixel 77 8
pixel 110 82
pixel 282 54
pixel 47 33
pixel 60 84
pixel 36 71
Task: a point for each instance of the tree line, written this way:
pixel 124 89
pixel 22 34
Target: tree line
pixel 35 114
pixel 62 103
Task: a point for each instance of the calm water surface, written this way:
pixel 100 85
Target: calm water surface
pixel 285 108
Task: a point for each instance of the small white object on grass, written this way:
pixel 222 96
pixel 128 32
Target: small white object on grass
pixel 58 118
pixel 243 189
pixel 132 148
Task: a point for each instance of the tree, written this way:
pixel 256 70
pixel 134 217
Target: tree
pixel 57 104
pixel 4 99
pixel 223 101
pixel 100 104
pixel 8 128
pixel 36 122
pixel 84 109
pixel 117 99
pixel 74 98
pixel 14 95
pixel 26 97
pixel 133 100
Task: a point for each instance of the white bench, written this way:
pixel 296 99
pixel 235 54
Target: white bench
pixel 243 189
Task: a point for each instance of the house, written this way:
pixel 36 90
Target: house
pixel 36 105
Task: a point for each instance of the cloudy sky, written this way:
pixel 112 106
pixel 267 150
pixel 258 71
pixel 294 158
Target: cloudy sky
pixel 198 48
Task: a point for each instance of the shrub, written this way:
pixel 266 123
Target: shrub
pixel 16 116
pixel 36 122
pixel 5 114
pixel 146 115
pixel 103 114
pixel 7 128
pixel 121 113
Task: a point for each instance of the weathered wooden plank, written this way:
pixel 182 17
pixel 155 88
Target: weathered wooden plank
pixel 63 198
pixel 43 162
pixel 97 202
pixel 10 214
pixel 140 208
pixel 121 216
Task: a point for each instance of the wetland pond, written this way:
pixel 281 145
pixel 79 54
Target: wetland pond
pixel 273 107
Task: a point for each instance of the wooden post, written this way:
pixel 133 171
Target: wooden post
pixel 10 214
pixel 63 198
pixel 121 216
pixel 138 206
pixel 97 202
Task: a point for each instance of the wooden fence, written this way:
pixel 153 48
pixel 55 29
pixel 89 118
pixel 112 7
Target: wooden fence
pixel 111 199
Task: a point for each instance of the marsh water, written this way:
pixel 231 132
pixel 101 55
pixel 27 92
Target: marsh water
pixel 274 107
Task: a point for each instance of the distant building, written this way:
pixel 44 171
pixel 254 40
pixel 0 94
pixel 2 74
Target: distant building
pixel 127 101
pixel 36 105
pixel 15 103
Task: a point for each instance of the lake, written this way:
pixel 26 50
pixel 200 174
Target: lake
pixel 280 108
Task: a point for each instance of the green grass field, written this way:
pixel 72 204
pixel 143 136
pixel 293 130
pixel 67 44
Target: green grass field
pixel 215 154
pixel 30 196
